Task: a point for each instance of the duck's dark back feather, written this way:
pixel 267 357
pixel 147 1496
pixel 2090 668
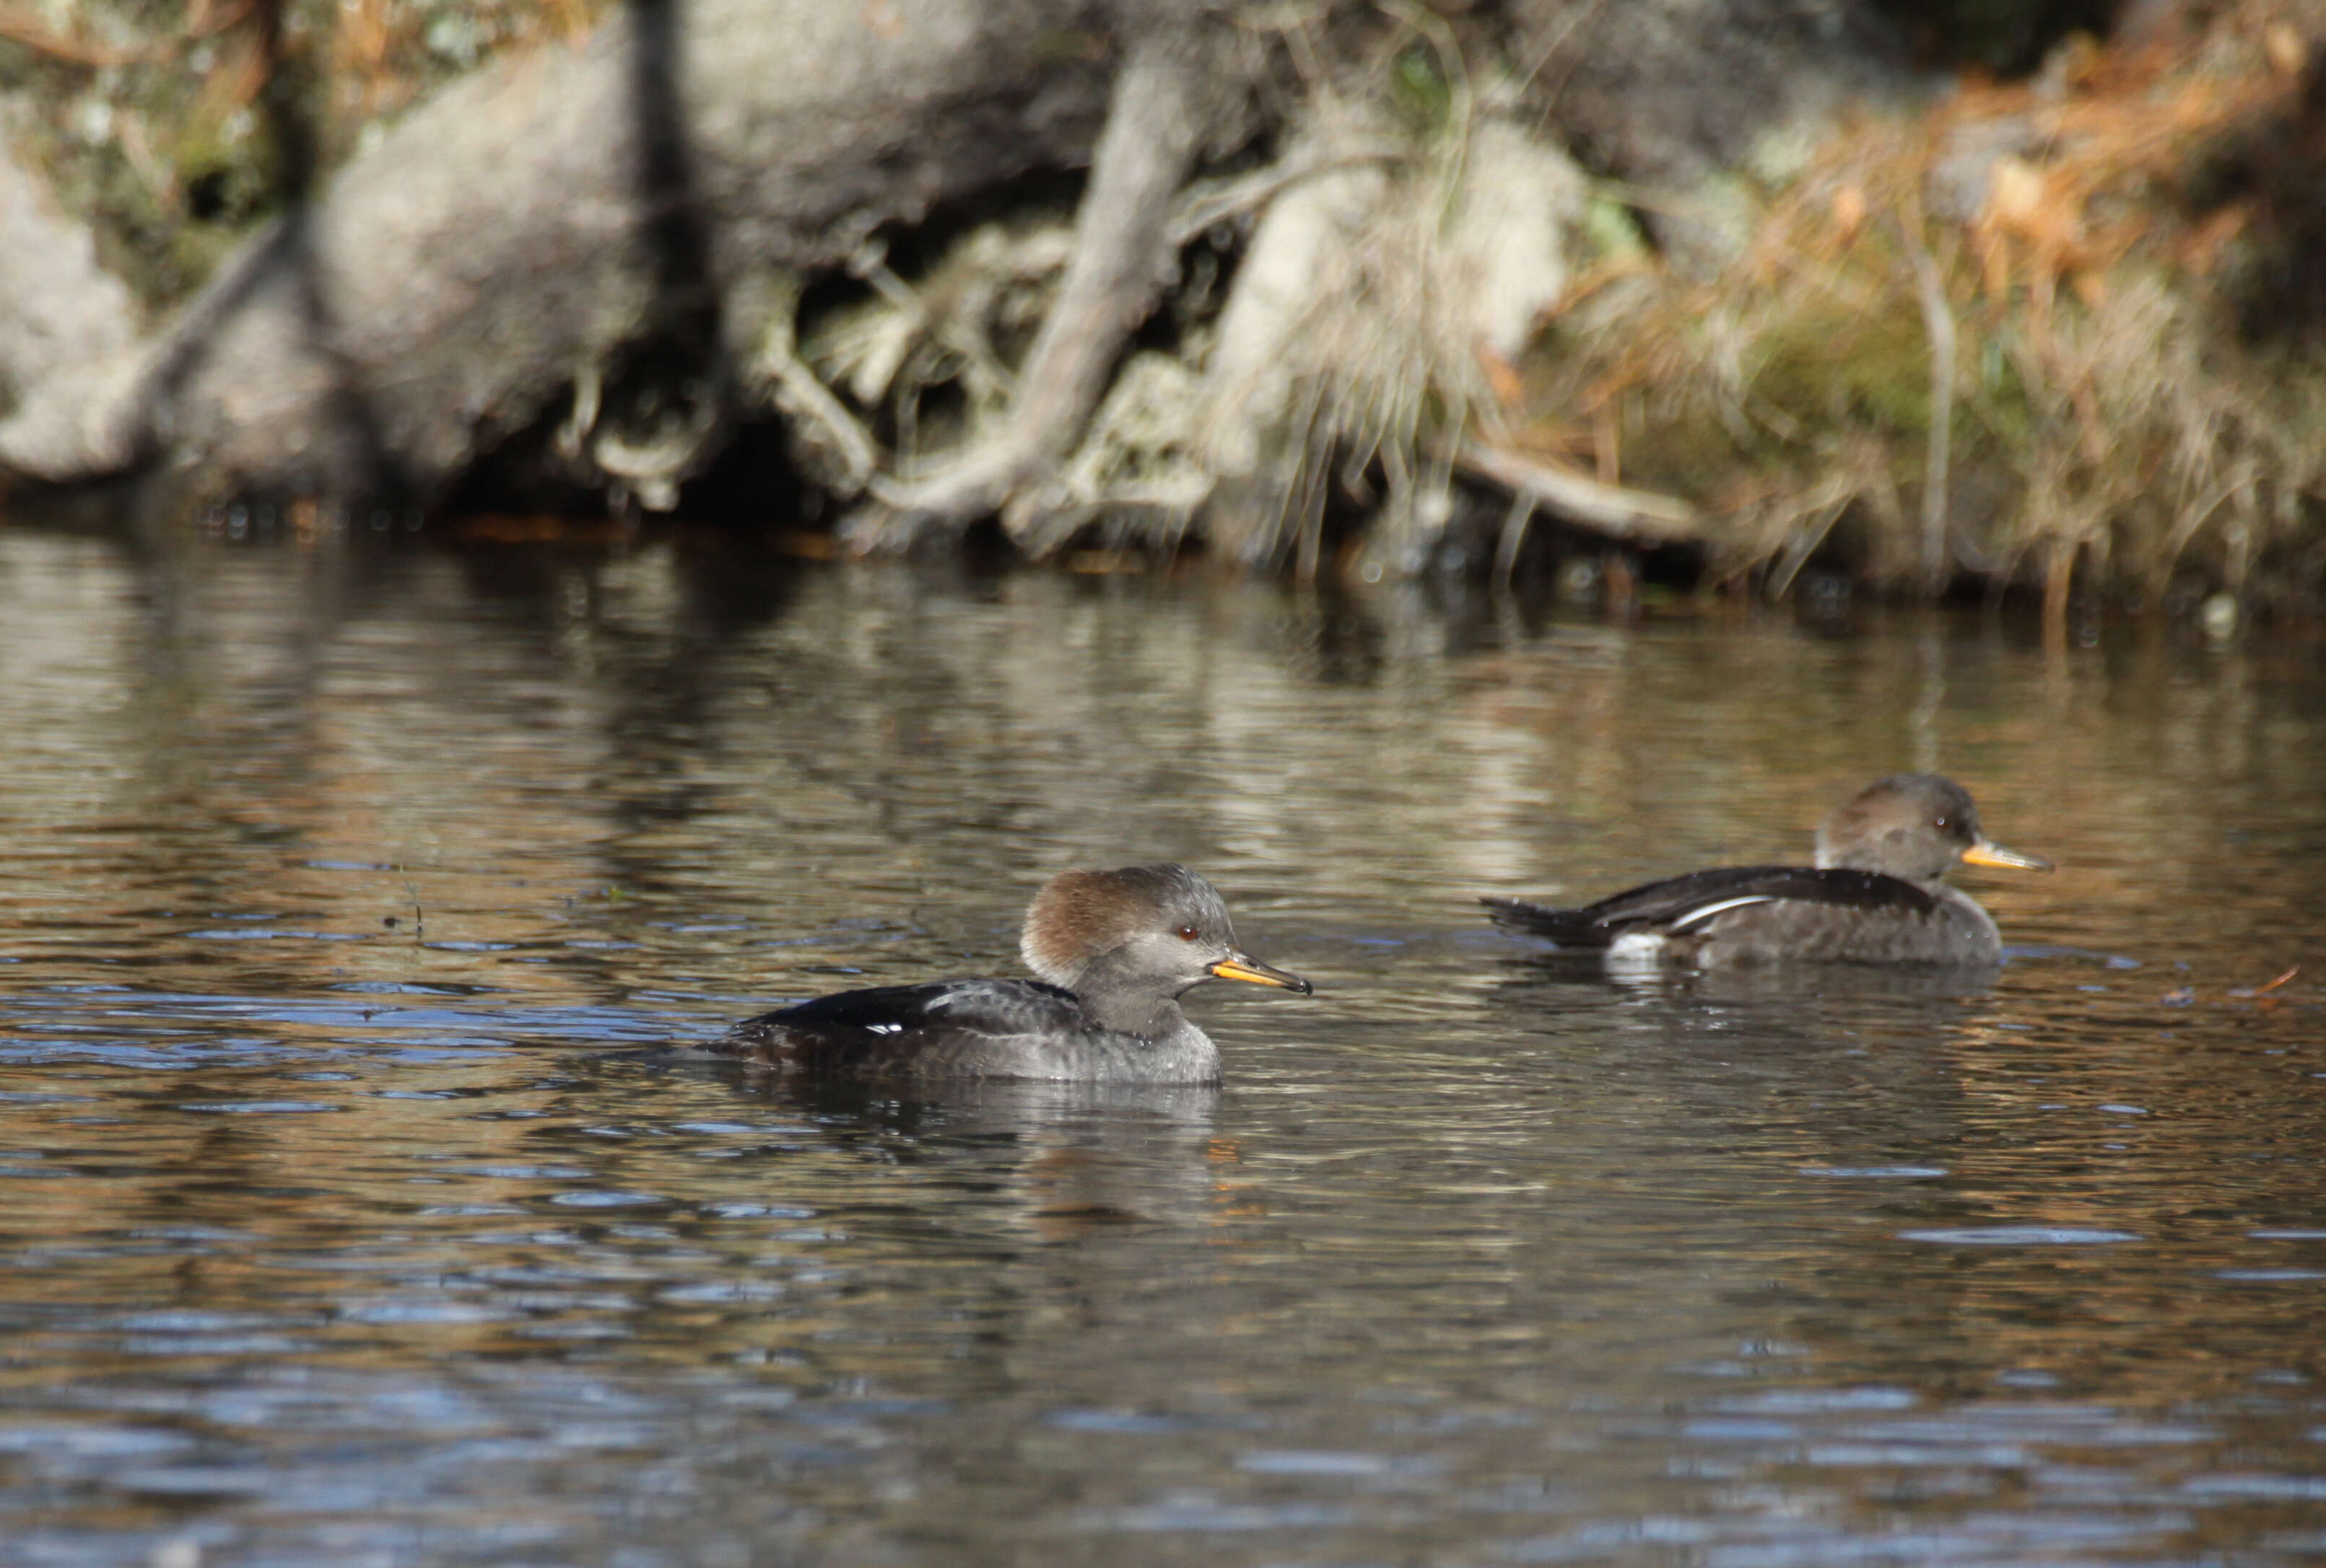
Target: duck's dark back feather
pixel 1673 901
pixel 942 1026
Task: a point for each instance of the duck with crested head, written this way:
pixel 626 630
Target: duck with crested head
pixel 1114 952
pixel 1876 895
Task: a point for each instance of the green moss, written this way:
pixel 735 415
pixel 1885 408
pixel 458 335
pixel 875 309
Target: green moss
pixel 1691 452
pixel 1829 366
pixel 1066 46
pixel 165 155
pixel 1611 230
pixel 1995 398
pixel 1418 89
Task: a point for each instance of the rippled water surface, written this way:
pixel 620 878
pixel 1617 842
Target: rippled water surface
pixel 350 1213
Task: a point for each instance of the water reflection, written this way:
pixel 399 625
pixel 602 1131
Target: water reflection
pixel 352 1214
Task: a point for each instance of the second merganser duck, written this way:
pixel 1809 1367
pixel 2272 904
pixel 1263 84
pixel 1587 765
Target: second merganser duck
pixel 1876 894
pixel 1115 950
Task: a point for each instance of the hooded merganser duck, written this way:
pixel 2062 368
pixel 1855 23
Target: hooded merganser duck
pixel 1115 950
pixel 1876 896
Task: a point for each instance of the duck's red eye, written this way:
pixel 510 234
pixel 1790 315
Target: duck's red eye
pixel 1188 933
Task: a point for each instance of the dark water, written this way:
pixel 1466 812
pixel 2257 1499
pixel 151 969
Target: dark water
pixel 345 1222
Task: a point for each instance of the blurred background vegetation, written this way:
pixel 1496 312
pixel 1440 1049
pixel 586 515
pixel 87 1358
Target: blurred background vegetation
pixel 1960 297
pixel 150 117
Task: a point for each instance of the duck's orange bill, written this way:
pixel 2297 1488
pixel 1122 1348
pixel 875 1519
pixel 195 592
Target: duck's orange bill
pixel 1988 852
pixel 1244 967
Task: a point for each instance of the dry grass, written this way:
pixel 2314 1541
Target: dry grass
pixel 1996 341
pixel 1362 384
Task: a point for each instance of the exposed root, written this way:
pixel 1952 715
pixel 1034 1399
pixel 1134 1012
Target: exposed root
pixel 1364 349
pixel 844 458
pixel 649 466
pixel 1138 464
pixel 649 450
pixel 1613 510
pixel 1120 267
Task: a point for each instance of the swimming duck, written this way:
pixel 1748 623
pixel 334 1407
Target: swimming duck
pixel 1114 952
pixel 1876 893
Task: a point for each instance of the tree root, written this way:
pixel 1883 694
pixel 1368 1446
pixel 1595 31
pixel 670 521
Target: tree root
pixel 1343 329
pixel 1614 510
pixel 1377 281
pixel 1158 120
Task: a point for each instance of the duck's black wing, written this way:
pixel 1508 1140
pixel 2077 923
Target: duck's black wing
pixel 1679 904
pixel 944 1026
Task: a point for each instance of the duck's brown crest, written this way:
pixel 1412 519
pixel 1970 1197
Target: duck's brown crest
pixel 1080 914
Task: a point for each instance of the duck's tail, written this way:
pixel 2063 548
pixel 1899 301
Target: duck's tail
pixel 1567 927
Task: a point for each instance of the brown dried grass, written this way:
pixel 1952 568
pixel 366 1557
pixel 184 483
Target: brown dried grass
pixel 2042 382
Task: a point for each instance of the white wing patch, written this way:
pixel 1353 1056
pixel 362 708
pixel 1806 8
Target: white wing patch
pixel 885 1028
pixel 1720 906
